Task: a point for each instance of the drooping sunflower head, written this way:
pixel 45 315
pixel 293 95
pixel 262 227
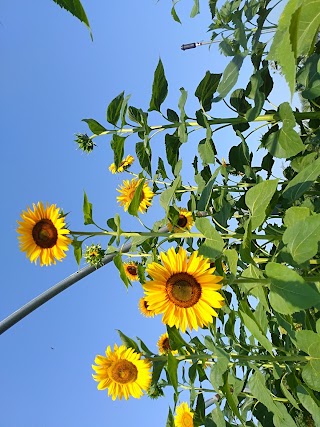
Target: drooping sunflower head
pixel 127 192
pixel 42 234
pixel 122 372
pixel 124 165
pixel 144 308
pixel 183 417
pixel 164 345
pixel 184 290
pixel 131 270
pixel 185 221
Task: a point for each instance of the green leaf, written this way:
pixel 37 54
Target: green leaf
pixel 135 202
pixel 207 192
pixel 175 15
pixel 239 156
pixel 218 417
pixel 114 109
pixel 170 419
pixel 144 156
pixel 309 342
pixel 282 50
pixel 117 145
pixel 287 393
pixel 309 77
pixel 206 89
pixel 94 126
pixel 239 102
pixel 232 259
pixel 128 342
pixel 207 151
pixel 229 77
pixel 195 9
pixel 119 264
pixel 172 369
pixel 77 249
pixel 258 199
pixel 231 398
pixel 87 210
pixel 172 143
pixel 219 368
pixel 75 8
pixel 302 182
pixel 254 329
pixel 289 293
pixel 302 238
pixel 213 245
pixel 307 400
pixel 295 214
pixel 182 129
pixel 168 194
pixel 305 26
pixel 259 390
pixel 159 88
pixel 199 414
pixel 255 82
pixel 175 338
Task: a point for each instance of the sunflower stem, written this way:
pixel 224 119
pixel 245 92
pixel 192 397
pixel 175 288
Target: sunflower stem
pixel 41 299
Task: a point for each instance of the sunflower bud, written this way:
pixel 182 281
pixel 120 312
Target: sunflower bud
pixel 94 255
pixel 85 143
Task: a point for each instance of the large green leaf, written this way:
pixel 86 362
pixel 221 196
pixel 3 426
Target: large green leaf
pixel 307 400
pixel 259 390
pixel 251 324
pixel 95 126
pixel 172 369
pixel 117 145
pixel 133 208
pixel 229 77
pixel 75 8
pixel 309 77
pixel 168 194
pixel 119 264
pixel 159 88
pixel 302 238
pixel 289 293
pixel 302 182
pixel 309 342
pixel 206 89
pixel 282 50
pixel 87 210
pixel 258 198
pixel 114 109
pixel 213 245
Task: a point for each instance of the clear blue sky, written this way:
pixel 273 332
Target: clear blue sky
pixel 51 77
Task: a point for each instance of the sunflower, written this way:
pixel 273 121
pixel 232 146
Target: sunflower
pixel 144 308
pixel 127 191
pixel 184 223
pixel 124 165
pixel 164 344
pixel 42 234
pixel 122 372
pixel 131 270
pixel 184 290
pixel 184 417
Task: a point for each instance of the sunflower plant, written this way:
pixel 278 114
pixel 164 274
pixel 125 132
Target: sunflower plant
pixel 232 264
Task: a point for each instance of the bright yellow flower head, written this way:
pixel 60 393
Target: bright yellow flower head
pixel 164 344
pixel 183 290
pixel 122 372
pixel 184 417
pixel 43 234
pixel 144 308
pixel 131 270
pixel 127 191
pixel 185 221
pixel 124 165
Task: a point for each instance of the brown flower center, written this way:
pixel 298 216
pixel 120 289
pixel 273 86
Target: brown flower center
pixel 132 269
pixel 166 344
pixel 45 234
pixel 124 372
pixel 182 221
pixel 145 305
pixel 183 290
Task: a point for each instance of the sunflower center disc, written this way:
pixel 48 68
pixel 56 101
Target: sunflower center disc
pixel 132 270
pixel 45 234
pixel 183 290
pixel 182 221
pixel 166 344
pixel 124 372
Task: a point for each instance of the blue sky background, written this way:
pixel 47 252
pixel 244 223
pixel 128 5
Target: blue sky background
pixel 51 77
